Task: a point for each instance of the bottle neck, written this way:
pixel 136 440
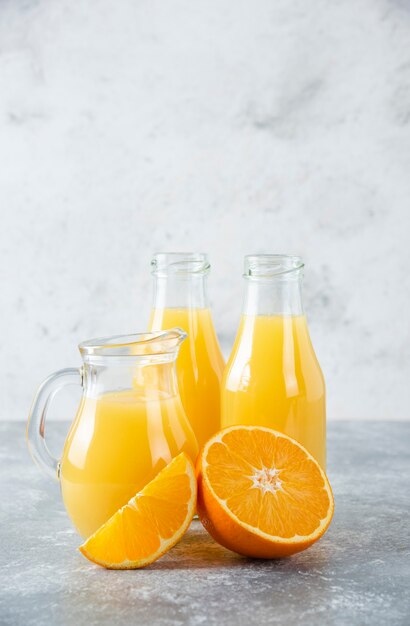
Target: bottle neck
pixel 273 297
pixel 180 280
pixel 177 292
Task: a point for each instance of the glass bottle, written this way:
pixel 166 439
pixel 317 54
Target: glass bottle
pixel 180 299
pixel 273 377
pixel 130 423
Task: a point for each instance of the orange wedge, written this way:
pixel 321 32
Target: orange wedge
pixel 150 524
pixel 262 494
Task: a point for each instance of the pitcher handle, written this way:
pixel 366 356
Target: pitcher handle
pixel 38 413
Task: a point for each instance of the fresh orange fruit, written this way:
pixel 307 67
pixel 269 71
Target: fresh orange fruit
pixel 260 493
pixel 151 523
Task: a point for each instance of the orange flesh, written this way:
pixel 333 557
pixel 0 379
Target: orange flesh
pixel 268 482
pixel 151 522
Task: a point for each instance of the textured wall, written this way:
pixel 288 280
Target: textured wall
pixel 231 127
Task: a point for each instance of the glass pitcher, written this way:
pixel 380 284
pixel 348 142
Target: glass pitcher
pixel 272 377
pixel 130 423
pixel 180 299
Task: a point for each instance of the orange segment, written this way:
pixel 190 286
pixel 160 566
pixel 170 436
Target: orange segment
pixel 261 494
pixel 150 524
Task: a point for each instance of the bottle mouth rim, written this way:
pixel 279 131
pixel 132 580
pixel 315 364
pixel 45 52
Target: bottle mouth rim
pixel 136 345
pixel 272 266
pixel 180 264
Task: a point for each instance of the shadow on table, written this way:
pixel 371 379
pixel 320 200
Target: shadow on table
pixel 197 550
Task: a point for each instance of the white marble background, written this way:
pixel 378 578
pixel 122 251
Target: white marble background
pixel 138 126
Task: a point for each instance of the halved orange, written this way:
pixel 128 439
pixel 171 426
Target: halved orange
pixel 151 523
pixel 261 494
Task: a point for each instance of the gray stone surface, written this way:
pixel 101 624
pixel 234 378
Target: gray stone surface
pixel 357 574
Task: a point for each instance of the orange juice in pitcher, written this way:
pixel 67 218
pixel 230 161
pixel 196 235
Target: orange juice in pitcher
pixel 180 299
pixel 129 425
pixel 273 377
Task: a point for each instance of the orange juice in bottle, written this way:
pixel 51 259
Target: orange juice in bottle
pixel 180 299
pixel 273 377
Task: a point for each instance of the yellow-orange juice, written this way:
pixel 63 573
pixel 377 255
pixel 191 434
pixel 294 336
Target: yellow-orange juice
pixel 118 442
pixel 273 379
pixel 200 366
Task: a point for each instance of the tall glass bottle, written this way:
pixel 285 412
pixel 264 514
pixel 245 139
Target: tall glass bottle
pixel 180 299
pixel 273 377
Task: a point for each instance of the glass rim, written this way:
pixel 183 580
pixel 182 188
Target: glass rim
pixel 135 345
pixel 272 266
pixel 180 264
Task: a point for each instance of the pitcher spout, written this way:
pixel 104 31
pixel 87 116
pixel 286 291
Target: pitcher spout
pixel 161 344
